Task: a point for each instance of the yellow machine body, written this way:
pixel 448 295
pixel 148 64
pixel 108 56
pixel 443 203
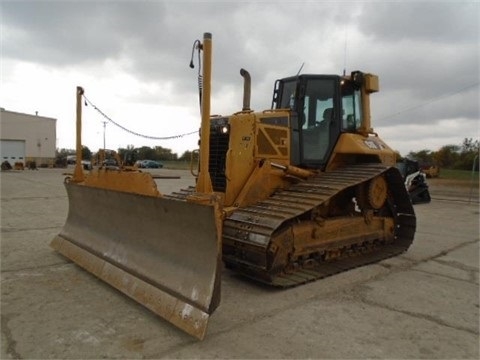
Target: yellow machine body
pixel 256 143
pixel 283 196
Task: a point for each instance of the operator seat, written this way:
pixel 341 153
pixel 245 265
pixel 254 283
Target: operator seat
pixel 328 115
pixel 316 141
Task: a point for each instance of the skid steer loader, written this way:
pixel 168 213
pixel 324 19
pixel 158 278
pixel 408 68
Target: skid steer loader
pixel 283 196
pixel 415 181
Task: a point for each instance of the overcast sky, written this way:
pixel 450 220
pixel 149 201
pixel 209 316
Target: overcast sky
pixel 132 57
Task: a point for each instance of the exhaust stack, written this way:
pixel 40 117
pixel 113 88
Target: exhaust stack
pixel 247 85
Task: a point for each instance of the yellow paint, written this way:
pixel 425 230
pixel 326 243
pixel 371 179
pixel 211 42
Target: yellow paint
pixel 136 182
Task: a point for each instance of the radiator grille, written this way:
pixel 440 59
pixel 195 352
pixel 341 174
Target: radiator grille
pixel 217 160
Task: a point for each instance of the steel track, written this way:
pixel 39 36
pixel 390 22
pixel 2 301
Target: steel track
pixel 250 229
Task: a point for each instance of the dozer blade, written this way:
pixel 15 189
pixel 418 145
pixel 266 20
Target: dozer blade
pixel 163 253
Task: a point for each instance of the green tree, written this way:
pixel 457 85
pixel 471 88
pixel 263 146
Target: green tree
pixel 86 153
pixel 128 155
pixel 468 151
pixel 64 152
pixel 447 156
pixel 469 145
pixel 186 156
pixel 146 153
pixel 423 156
pixel 61 156
pixel 164 154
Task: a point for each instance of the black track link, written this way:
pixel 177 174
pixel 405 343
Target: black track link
pixel 253 226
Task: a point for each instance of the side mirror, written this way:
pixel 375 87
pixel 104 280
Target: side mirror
pixel 357 79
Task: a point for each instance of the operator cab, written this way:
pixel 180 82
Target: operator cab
pixel 322 106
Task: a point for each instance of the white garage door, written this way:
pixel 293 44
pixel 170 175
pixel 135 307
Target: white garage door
pixel 12 150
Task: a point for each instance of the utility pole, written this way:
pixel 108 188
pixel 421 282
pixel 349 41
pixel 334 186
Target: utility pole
pixel 104 129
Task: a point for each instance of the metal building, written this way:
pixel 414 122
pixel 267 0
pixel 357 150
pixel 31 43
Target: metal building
pixel 25 138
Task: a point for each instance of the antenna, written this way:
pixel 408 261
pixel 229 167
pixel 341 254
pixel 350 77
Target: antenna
pixel 301 67
pixel 345 53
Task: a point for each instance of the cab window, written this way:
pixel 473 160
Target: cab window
pixel 317 117
pixel 351 111
pixel 288 95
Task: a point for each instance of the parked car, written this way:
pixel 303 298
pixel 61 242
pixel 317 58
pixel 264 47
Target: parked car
pixel 151 164
pixel 110 162
pixel 87 165
pixel 71 159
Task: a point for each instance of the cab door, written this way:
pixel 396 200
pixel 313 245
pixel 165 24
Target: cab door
pixel 318 111
pixel 314 101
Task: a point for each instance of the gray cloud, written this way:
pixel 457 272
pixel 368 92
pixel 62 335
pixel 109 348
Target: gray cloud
pixel 422 51
pixel 440 22
pixel 70 33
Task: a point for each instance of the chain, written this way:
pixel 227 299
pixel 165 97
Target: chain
pixel 88 102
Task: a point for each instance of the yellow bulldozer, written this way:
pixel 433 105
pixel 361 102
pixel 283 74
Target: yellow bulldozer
pixel 284 196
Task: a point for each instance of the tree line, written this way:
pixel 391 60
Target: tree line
pixel 156 153
pixel 458 157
